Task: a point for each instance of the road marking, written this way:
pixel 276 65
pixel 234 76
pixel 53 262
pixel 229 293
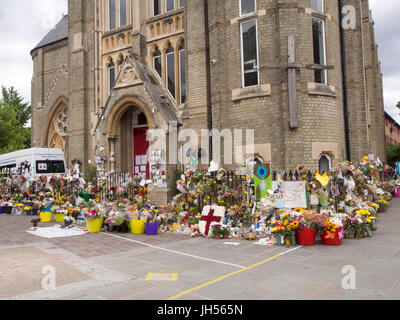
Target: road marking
pixel 231 274
pixel 162 277
pixel 176 252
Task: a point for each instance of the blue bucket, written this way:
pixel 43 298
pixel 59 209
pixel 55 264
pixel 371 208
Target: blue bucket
pixel 47 209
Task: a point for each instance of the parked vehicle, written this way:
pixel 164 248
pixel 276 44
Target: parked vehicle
pixel 34 162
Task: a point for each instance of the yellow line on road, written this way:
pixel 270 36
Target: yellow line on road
pixel 229 275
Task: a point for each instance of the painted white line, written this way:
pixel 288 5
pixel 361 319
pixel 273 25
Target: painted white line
pixel 176 252
pixel 291 250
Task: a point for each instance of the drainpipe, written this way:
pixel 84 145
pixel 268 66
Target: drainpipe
pixel 344 77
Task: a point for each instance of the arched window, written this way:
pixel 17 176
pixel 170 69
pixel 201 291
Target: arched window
pixel 111 76
pixel 157 62
pixel 324 163
pixel 171 71
pixel 182 72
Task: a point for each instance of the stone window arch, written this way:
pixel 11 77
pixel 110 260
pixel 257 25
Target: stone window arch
pixel 57 129
pixel 324 163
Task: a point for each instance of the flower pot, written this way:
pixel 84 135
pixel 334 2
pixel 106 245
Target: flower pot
pixel 151 228
pixel 6 210
pixel 45 216
pixel 60 217
pixel 217 236
pixel 35 225
pixel 94 225
pixel 333 238
pixel 373 226
pixel 306 237
pixel 138 226
pixel 226 236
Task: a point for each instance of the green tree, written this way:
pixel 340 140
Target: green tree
pixel 12 98
pixel 393 153
pixel 14 115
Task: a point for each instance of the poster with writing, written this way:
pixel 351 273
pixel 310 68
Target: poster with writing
pixel 295 194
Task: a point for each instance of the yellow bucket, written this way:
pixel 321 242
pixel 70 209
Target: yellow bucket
pixel 60 217
pixel 137 226
pixel 94 225
pixel 45 216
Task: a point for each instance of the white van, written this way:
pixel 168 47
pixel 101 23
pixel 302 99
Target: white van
pixel 34 162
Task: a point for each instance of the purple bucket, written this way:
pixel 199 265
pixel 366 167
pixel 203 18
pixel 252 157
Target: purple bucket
pixel 151 228
pixel 1 210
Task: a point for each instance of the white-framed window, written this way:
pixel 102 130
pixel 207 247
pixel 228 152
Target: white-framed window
pixel 249 53
pixel 111 14
pixel 317 5
pixel 111 77
pixel 156 7
pixel 324 163
pixel 318 28
pixel 170 67
pixel 157 62
pixel 181 3
pixel 247 6
pixel 182 75
pixel 169 5
pixel 122 13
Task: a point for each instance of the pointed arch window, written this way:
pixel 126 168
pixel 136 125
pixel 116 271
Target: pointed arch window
pixel 182 73
pixel 157 62
pixel 111 76
pixel 170 58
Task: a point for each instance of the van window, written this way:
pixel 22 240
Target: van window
pixel 8 169
pixel 50 166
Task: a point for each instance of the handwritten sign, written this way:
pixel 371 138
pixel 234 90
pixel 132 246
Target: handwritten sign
pixel 295 194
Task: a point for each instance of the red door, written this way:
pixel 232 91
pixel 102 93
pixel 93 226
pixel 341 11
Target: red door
pixel 140 147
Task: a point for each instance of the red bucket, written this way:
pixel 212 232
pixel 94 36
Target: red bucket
pixel 306 237
pixel 333 238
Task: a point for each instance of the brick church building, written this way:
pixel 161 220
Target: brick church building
pixel 112 69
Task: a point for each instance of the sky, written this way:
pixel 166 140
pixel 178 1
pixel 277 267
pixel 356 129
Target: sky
pixel 20 33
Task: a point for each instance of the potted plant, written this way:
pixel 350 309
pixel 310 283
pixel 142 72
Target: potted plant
pixel 217 231
pixel 152 224
pixel 94 217
pixel 225 232
pixel 333 233
pixel 35 221
pixel 383 205
pixel 68 221
pixel 279 231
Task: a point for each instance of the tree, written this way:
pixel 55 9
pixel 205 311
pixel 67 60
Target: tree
pixel 12 98
pixel 393 153
pixel 14 115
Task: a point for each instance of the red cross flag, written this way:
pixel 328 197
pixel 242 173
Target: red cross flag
pixel 211 216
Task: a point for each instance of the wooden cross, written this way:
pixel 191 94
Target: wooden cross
pixel 292 67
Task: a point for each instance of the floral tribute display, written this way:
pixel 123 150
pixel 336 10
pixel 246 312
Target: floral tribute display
pixel 345 203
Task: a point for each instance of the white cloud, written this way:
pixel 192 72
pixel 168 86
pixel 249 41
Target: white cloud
pixel 23 24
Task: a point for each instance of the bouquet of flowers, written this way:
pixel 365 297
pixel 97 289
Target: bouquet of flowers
pixel 68 220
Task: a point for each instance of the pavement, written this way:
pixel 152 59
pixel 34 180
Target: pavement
pixel 122 266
